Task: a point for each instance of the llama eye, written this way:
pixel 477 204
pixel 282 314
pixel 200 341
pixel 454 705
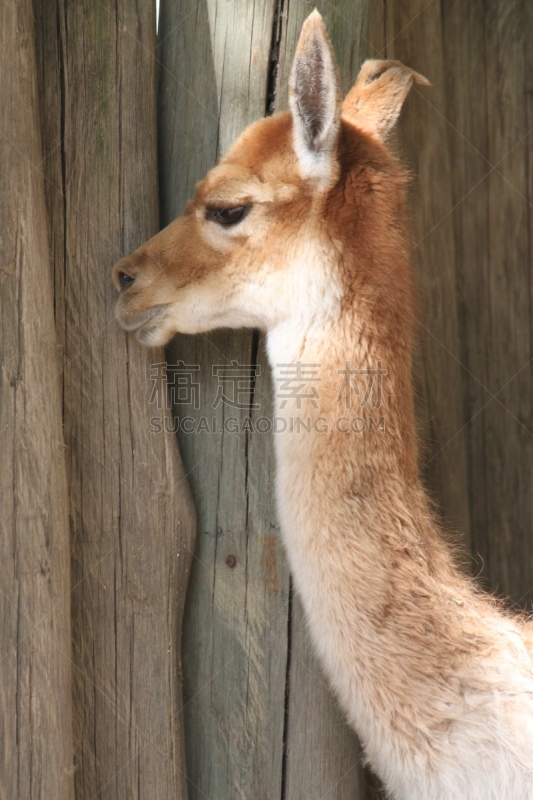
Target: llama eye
pixel 227 216
pixel 125 280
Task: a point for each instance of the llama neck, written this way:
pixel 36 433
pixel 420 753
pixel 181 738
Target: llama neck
pixel 365 554
pixel 409 646
pixel 346 451
pixel 343 397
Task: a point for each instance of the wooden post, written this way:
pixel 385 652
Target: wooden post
pixel 132 520
pixel 36 758
pixel 489 81
pixel 404 32
pixel 214 81
pixel 468 142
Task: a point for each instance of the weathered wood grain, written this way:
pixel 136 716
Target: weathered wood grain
pixel 260 720
pixel 36 757
pixel 469 136
pixel 490 92
pixel 412 32
pixel 213 83
pixel 132 521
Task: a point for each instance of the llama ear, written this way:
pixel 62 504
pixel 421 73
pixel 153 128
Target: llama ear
pixel 375 101
pixel 315 104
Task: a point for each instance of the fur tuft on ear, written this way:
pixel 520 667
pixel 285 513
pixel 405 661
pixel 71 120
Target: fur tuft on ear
pixel 375 101
pixel 315 104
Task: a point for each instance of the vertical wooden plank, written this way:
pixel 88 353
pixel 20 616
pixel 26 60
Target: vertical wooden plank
pixel 508 443
pixel 49 50
pixel 525 598
pixel 489 88
pixel 36 757
pixel 214 82
pixel 467 111
pixel 412 33
pixel 323 754
pixel 324 758
pixel 132 521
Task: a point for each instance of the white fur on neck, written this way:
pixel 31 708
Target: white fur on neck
pixel 313 292
pixel 488 754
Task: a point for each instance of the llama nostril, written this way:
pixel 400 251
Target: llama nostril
pixel 124 280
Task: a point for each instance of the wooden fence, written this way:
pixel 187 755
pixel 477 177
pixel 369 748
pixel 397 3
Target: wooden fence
pixel 90 689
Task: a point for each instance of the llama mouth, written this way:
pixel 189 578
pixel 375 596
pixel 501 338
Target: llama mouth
pixel 139 321
pixel 152 336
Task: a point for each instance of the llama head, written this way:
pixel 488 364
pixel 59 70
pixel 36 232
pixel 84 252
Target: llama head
pixel 285 226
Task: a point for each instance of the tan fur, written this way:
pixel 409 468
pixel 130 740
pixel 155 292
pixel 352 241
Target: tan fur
pixel 374 103
pixel 435 678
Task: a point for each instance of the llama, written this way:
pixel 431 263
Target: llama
pixel 301 231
